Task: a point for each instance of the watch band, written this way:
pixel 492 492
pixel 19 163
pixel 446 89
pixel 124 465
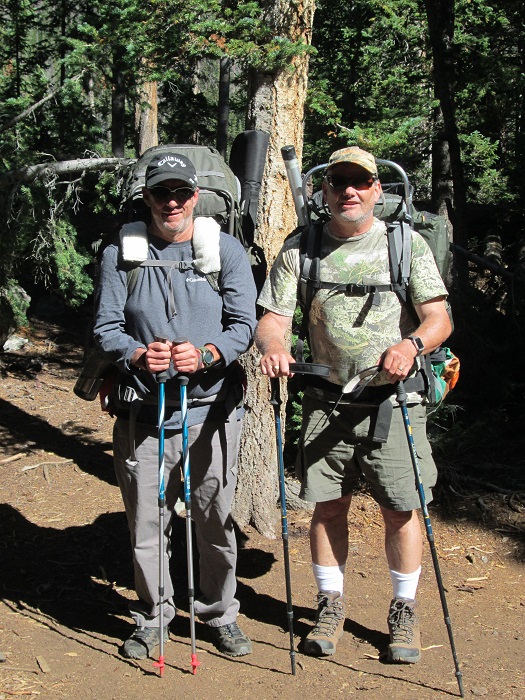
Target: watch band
pixel 417 343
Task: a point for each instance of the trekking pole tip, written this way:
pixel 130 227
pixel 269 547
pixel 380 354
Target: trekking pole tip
pixel 160 665
pixel 459 677
pixel 195 663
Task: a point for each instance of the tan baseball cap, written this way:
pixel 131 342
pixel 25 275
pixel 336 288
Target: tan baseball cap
pixel 356 155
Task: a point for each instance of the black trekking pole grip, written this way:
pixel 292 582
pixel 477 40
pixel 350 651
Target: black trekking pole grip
pixel 275 392
pixel 183 378
pixel 401 394
pixel 161 376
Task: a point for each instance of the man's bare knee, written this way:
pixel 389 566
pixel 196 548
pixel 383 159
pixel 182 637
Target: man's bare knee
pixel 332 510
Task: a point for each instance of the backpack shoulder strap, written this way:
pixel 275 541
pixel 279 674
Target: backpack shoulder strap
pixel 134 251
pixel 399 240
pixel 309 264
pixel 309 278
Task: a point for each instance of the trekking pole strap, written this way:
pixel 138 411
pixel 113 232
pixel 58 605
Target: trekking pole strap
pixel 317 370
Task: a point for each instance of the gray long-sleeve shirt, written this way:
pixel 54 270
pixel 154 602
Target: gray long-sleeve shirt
pixel 202 315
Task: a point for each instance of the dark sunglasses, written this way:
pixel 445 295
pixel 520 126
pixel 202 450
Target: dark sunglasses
pixel 164 194
pixel 340 183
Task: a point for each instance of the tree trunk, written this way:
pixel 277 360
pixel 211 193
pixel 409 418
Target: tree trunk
pixel 440 15
pixel 276 105
pixel 118 107
pixel 442 188
pixel 146 118
pixel 223 109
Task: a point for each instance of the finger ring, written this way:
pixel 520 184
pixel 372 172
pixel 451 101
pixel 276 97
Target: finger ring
pixel 400 368
pixel 275 368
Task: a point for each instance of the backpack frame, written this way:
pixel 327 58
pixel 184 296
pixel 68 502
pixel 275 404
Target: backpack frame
pixel 400 216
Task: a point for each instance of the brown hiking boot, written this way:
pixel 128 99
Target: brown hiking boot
pixel 328 630
pixel 403 625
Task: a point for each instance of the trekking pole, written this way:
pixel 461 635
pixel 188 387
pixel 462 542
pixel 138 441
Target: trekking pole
pixel 161 379
pixel 402 399
pixel 275 400
pixel 183 383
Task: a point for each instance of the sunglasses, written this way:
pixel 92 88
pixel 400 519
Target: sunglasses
pixel 165 194
pixel 340 183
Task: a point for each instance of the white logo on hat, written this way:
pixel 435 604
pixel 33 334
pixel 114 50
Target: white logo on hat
pixel 176 161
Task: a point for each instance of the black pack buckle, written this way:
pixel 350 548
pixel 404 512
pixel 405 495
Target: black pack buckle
pixel 358 290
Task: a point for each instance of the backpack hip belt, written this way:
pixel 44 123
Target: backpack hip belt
pixel 376 398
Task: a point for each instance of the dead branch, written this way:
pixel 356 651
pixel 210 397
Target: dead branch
pixel 64 167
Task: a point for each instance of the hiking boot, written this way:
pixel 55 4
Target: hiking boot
pixel 142 642
pixel 403 625
pixel 328 630
pixel 231 640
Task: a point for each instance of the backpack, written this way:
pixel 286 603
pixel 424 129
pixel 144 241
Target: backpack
pixel 220 193
pixel 219 188
pixel 440 369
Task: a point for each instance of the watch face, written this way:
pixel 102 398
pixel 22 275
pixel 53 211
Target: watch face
pixel 207 357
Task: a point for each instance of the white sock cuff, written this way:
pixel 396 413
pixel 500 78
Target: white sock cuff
pixel 405 585
pixel 329 578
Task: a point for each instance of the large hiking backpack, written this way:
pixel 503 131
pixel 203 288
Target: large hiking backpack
pixel 219 188
pixel 440 370
pixel 226 196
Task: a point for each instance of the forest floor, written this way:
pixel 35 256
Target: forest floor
pixel 66 578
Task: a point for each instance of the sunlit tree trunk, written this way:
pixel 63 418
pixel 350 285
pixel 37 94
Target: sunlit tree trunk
pixel 146 118
pixel 276 105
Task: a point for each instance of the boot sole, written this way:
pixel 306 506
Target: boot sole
pixel 399 659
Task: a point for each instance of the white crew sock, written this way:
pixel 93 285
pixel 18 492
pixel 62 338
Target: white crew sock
pixel 405 585
pixel 329 578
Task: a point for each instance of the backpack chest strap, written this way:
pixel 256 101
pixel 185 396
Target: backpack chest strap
pixel 362 290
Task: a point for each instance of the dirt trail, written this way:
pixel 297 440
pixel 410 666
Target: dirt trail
pixel 66 577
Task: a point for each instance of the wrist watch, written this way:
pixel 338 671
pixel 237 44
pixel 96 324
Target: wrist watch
pixel 417 343
pixel 207 357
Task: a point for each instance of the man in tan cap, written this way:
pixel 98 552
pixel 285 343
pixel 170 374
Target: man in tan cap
pixel 345 437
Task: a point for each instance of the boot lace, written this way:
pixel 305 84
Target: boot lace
pixel 329 615
pixel 233 631
pixel 402 618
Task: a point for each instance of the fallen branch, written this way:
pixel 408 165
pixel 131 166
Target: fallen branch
pixel 13 458
pixel 46 464
pixel 53 386
pixel 64 167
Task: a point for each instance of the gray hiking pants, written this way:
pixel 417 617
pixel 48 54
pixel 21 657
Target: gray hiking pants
pixel 213 448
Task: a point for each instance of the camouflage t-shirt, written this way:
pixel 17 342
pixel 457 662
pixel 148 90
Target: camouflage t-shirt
pixel 349 333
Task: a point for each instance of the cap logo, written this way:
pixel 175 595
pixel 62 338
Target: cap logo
pixel 167 159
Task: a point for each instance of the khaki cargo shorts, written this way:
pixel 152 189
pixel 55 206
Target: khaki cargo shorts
pixel 336 451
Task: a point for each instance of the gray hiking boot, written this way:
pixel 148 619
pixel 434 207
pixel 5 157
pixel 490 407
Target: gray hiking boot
pixel 403 625
pixel 231 640
pixel 142 642
pixel 328 630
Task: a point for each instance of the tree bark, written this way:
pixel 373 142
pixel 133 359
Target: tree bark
pixel 146 118
pixel 440 16
pixel 276 105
